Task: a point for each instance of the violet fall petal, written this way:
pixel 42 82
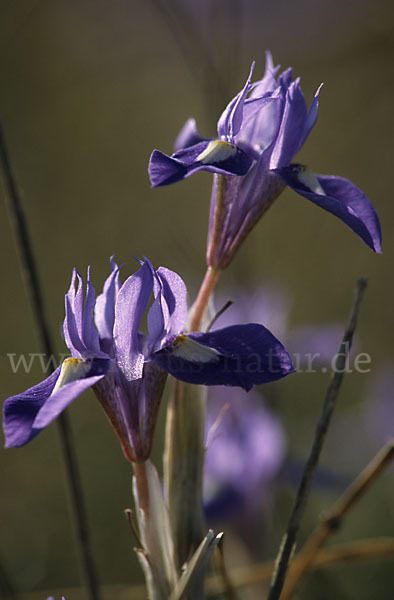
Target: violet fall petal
pixel 21 410
pixel 338 196
pixel 83 376
pixel 215 156
pixel 240 355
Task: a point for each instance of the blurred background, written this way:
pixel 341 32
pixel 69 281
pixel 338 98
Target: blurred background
pixel 88 89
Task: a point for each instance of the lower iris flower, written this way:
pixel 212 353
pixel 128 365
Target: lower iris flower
pixel 127 368
pixel 259 133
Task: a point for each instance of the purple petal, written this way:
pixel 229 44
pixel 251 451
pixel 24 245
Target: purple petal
pixel 215 156
pixel 175 294
pixel 338 196
pixel 105 304
pixel 285 78
pixel 74 379
pixel 158 314
pixel 164 170
pixel 241 355
pixel 188 136
pixel 167 315
pixel 252 116
pixel 131 302
pixel 311 118
pixel 73 320
pixel 292 128
pixel 80 333
pixel 268 83
pixel 21 410
pixel 89 332
pixel 230 121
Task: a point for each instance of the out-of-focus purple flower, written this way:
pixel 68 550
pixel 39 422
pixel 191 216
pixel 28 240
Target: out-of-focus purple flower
pixel 127 369
pixel 320 342
pixel 245 453
pixel 259 133
pixel 311 345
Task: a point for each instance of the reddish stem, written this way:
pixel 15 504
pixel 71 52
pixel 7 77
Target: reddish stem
pixel 200 305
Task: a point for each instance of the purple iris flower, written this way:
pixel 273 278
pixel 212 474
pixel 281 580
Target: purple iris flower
pixel 127 368
pixel 259 133
pixel 246 448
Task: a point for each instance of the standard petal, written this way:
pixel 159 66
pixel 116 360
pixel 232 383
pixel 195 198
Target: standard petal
pixel 253 132
pixel 104 312
pixel 90 334
pixel 175 294
pixel 311 118
pixel 215 156
pixel 158 313
pixel 292 128
pixel 131 302
pixel 72 326
pixel 338 196
pixel 188 136
pixel 75 377
pixel 168 313
pixel 268 83
pixel 240 355
pixel 21 410
pixel 230 121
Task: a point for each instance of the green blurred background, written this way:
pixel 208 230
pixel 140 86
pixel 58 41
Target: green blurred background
pixel 88 89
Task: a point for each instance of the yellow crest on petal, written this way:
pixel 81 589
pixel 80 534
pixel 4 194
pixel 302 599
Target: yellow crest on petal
pixel 72 370
pixel 216 151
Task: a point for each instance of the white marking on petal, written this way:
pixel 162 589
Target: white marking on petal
pixel 190 350
pixel 309 179
pixel 216 151
pixel 72 370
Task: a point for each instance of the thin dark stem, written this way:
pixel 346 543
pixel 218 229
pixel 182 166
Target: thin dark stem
pixel 288 543
pixel 133 527
pixel 332 521
pixel 32 284
pixel 219 314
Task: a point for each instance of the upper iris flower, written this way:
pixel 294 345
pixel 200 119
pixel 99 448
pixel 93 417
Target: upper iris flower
pixel 260 132
pixel 127 369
